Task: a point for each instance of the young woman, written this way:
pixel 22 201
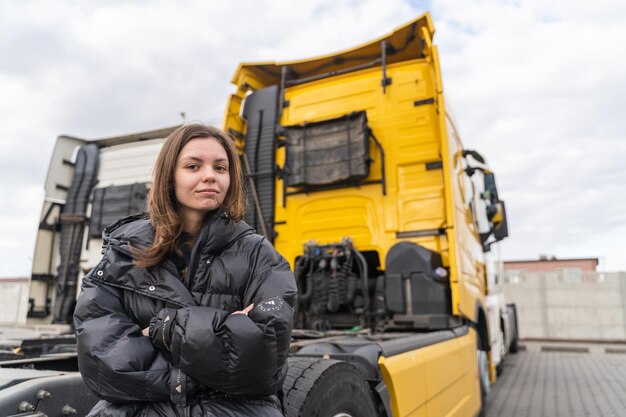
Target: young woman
pixel 189 312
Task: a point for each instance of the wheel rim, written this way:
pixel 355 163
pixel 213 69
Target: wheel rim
pixel 342 415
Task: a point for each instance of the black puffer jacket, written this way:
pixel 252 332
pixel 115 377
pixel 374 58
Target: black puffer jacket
pixel 199 358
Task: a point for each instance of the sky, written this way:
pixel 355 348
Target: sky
pixel 537 87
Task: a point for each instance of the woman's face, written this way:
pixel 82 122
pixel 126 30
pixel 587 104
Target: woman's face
pixel 201 178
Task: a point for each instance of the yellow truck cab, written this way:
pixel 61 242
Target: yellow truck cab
pixel 357 174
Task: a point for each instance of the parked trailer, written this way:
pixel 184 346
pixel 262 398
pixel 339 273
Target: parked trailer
pixel 357 174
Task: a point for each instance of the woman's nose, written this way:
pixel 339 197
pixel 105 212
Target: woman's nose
pixel 208 175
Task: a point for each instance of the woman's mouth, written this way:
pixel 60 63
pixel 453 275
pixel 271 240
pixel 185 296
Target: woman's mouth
pixel 208 191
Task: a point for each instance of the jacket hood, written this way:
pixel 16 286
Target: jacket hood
pixel 217 233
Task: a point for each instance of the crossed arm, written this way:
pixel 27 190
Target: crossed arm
pixel 240 353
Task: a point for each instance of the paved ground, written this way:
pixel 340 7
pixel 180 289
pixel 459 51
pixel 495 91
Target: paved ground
pixel 556 379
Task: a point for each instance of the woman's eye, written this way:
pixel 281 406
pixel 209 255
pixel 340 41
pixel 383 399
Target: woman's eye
pixel 221 168
pixel 192 166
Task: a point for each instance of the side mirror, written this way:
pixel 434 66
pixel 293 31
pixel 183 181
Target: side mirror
pixel 501 229
pixel 491 191
pixel 493 210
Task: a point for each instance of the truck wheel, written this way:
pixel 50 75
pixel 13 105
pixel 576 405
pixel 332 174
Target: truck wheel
pixel 514 348
pixel 483 377
pixel 515 329
pixel 317 387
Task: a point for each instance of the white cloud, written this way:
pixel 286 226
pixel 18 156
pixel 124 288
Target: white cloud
pixel 21 205
pixel 537 87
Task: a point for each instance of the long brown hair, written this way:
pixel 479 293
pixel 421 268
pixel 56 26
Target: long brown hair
pixel 162 203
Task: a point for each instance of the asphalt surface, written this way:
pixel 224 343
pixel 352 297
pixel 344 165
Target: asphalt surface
pixel 558 379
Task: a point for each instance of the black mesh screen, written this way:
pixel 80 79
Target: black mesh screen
pixel 328 152
pixel 112 203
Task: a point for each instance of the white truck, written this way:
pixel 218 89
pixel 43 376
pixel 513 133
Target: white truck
pixel 502 317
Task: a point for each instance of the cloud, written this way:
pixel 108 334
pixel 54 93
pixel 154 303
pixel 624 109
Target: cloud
pixel 536 87
pixel 20 207
pixel 540 87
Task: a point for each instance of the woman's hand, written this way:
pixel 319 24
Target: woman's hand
pixel 244 311
pixel 146 331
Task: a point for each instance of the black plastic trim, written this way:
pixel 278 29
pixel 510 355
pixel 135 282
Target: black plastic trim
pixel 333 73
pixel 409 343
pixel 434 165
pixel 421 233
pixel 42 277
pixel 261 110
pixel 423 102
pixel 58 362
pixel 383 57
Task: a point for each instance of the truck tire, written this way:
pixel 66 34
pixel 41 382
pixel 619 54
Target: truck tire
pixel 483 379
pixel 316 387
pixel 482 360
pixel 514 347
pixel 514 328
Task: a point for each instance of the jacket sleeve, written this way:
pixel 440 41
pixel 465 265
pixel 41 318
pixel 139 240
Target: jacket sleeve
pixel 116 361
pixel 236 354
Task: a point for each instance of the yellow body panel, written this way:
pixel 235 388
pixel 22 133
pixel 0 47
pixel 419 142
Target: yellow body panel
pixel 408 134
pixel 436 381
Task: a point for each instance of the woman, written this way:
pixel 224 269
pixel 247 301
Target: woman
pixel 189 312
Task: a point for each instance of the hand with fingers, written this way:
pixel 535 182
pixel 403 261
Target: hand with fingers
pixel 146 331
pixel 244 311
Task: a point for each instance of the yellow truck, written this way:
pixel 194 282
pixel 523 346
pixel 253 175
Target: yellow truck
pixel 356 173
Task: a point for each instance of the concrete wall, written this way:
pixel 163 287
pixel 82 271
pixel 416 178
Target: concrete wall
pixel 587 306
pixel 13 300
pixel 551 265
